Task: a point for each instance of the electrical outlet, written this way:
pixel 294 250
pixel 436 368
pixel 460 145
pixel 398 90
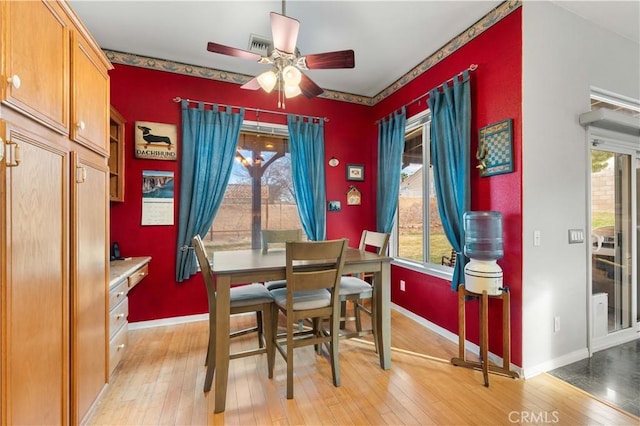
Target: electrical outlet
pixel 556 324
pixel 402 285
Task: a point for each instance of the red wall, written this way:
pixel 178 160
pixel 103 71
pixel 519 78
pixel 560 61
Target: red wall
pixel 146 95
pixel 350 136
pixel 495 96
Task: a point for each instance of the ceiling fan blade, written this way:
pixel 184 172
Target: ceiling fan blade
pixel 309 88
pixel 232 51
pixel 251 84
pixel 331 60
pixel 285 32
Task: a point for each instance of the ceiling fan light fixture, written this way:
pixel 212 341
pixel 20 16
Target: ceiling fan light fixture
pixel 291 90
pixel 291 75
pixel 267 80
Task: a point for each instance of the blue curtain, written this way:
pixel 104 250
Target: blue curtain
pixel 306 143
pixel 450 146
pixel 209 140
pixel 390 149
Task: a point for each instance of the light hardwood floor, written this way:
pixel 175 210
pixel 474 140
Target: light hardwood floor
pixel 161 377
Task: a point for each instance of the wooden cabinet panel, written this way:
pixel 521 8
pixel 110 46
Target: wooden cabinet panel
pixel 90 94
pixel 35 355
pixel 138 275
pixel 117 347
pixel 36 51
pixel 89 216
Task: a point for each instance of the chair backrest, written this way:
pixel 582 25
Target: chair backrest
pixel 378 240
pixel 205 267
pixel 279 236
pixel 314 265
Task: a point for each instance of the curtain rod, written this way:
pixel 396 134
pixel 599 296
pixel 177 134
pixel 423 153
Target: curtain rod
pixel 257 110
pixel 472 67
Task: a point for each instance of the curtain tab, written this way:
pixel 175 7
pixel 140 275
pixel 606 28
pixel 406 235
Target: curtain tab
pixel 184 104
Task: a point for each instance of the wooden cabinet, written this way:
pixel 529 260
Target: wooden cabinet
pixel 35 52
pixel 35 284
pixel 89 279
pixel 53 216
pixel 116 156
pixel 124 275
pixel 89 95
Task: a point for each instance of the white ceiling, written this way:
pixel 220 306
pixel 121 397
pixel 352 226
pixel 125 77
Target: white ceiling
pixel 389 37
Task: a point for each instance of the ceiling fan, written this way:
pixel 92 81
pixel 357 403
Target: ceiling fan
pixel 286 61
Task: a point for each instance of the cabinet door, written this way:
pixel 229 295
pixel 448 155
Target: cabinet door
pixel 35 56
pixel 90 98
pixel 35 291
pixel 116 155
pixel 89 281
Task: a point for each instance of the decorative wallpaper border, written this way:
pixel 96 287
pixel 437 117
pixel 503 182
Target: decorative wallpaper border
pixel 501 11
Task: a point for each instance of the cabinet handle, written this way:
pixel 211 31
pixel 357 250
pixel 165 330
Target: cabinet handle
pixel 14 80
pixel 80 125
pixel 119 294
pixel 120 346
pixel 119 316
pixel 81 174
pixel 13 156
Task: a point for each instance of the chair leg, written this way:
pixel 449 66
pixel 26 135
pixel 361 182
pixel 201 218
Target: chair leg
pixel 210 361
pixel 260 329
pixel 268 332
pixel 356 313
pixel 333 349
pixel 289 360
pixel 317 323
pixel 343 314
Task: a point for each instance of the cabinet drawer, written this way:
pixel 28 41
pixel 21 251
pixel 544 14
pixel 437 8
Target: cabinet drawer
pixel 118 294
pixel 138 275
pixel 118 316
pixel 117 346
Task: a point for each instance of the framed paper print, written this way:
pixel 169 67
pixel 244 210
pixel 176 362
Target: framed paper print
pixel 334 206
pixel 495 152
pixel 355 172
pixel 155 141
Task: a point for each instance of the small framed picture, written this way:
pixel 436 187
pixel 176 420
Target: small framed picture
pixel 355 172
pixel 334 206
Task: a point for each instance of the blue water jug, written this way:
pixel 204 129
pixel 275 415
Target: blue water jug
pixel 483 235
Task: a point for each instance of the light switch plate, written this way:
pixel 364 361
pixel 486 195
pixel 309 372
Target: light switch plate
pixel 576 236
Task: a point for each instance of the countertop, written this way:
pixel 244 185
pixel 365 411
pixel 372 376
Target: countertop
pixel 121 269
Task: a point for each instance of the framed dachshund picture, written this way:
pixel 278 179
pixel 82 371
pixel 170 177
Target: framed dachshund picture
pixel 156 141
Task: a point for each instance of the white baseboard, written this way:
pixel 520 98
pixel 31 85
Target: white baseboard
pixel 168 321
pixel 555 363
pixel 469 346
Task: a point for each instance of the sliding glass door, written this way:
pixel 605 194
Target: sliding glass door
pixel 614 221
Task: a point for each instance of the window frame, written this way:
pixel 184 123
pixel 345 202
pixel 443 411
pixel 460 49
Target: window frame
pixel 440 271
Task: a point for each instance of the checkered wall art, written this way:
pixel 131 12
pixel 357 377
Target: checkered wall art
pixel 495 151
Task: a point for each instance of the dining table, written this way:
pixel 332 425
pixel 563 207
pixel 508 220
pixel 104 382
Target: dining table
pixel 246 266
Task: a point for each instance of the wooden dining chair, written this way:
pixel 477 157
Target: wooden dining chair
pixel 313 267
pixel 245 298
pixel 277 238
pixel 356 288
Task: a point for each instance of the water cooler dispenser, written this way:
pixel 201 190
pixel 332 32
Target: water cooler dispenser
pixel 483 246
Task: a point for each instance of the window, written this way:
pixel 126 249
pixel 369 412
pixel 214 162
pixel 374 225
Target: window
pixel 414 243
pixel 260 191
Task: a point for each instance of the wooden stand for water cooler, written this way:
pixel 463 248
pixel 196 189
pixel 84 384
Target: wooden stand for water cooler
pixel 483 364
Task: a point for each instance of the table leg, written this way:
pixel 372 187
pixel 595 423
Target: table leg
pixel 223 285
pixel 382 300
